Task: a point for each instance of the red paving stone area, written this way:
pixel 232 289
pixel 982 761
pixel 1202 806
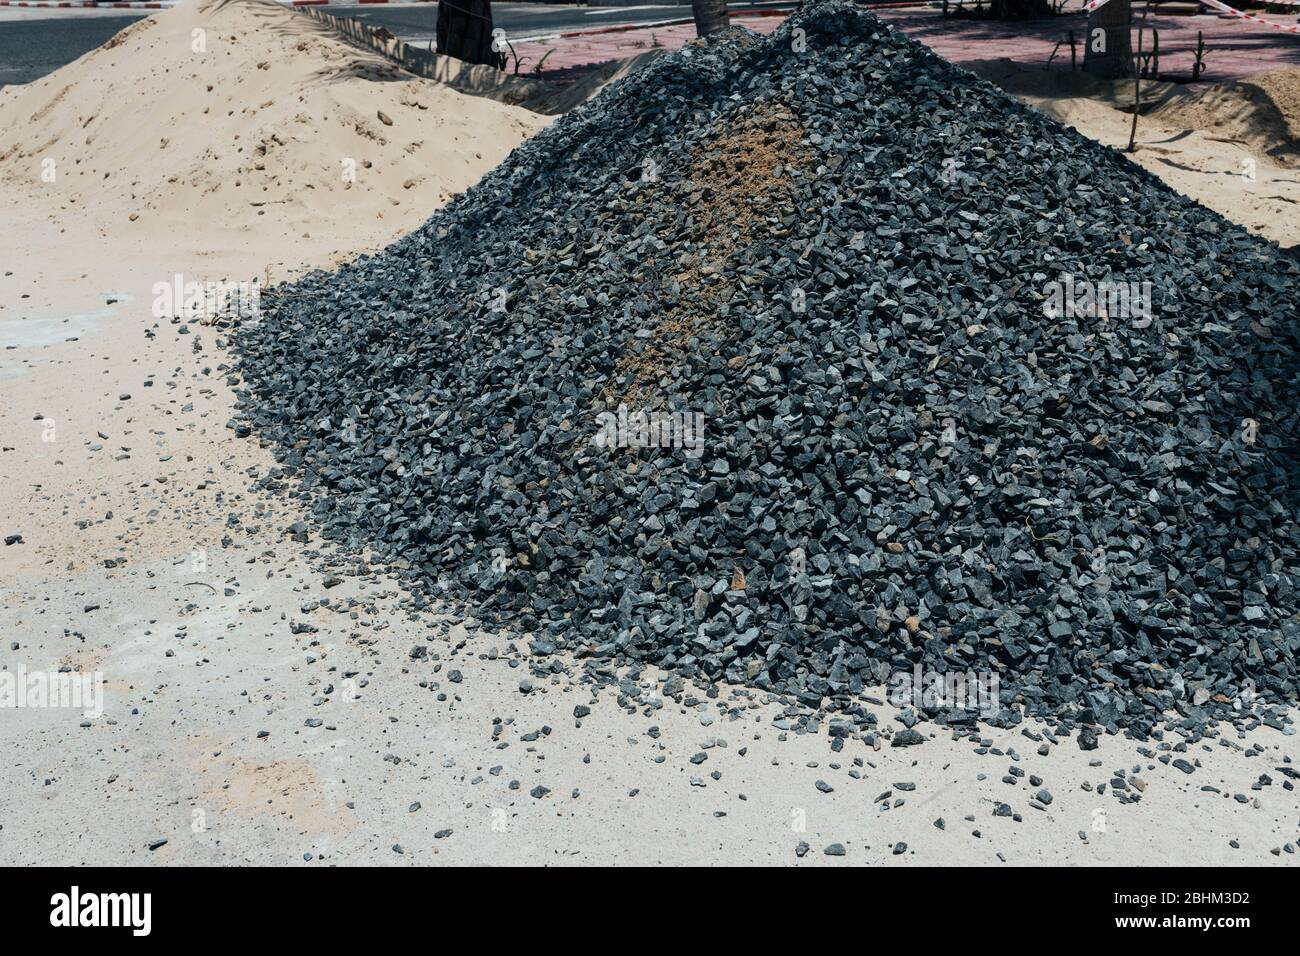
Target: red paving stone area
pixel 572 52
pixel 1235 49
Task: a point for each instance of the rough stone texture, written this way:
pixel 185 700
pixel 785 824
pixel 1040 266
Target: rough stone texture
pixel 840 257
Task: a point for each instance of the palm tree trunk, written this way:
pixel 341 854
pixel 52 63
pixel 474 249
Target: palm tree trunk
pixel 1115 59
pixel 465 31
pixel 710 16
pixel 1019 9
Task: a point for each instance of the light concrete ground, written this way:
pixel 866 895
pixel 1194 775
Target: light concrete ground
pixel 177 757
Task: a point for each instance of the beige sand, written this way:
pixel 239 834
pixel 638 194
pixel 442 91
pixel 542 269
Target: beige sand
pixel 1262 112
pixel 238 124
pixel 222 165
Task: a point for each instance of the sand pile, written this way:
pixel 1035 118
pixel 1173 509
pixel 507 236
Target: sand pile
pixel 243 115
pixel 1262 112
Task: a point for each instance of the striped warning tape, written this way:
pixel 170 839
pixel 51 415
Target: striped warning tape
pixel 1224 8
pixel 1230 11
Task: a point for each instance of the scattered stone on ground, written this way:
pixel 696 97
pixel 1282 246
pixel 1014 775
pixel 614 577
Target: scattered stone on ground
pixel 838 264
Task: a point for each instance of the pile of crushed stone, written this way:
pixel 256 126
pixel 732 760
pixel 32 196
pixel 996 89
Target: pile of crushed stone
pixel 810 361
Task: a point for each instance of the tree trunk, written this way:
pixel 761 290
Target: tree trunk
pixel 710 16
pixel 1116 59
pixel 465 31
pixel 1020 9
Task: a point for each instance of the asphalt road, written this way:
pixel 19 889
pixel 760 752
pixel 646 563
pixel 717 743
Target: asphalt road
pixel 31 46
pixel 37 41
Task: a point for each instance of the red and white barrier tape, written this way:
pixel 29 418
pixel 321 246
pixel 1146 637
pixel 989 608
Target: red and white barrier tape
pixel 47 3
pixel 1224 8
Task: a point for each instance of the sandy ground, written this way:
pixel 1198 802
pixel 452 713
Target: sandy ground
pixel 177 756
pixel 146 557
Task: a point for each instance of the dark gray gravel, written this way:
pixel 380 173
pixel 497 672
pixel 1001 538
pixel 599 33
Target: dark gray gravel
pixel 904 460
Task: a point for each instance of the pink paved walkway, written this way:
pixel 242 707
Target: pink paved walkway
pixel 574 52
pixel 1235 49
